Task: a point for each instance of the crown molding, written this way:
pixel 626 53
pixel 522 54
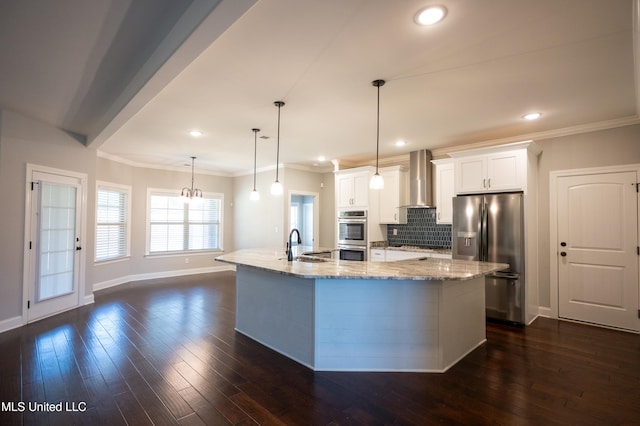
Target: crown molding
pixel 548 134
pixel 121 160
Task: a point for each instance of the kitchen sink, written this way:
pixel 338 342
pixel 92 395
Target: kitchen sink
pixel 309 259
pixel 306 259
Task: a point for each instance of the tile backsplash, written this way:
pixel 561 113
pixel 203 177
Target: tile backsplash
pixel 421 230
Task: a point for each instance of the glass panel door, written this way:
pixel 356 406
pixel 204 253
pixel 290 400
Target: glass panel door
pixel 57 242
pixel 53 262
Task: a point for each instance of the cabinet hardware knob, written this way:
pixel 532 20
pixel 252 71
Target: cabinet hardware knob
pixel 563 254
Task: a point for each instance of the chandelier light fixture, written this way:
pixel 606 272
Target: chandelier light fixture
pixel 255 195
pixel 276 187
pixel 376 180
pixel 189 194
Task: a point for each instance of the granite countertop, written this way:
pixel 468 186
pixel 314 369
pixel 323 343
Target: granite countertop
pixel 275 260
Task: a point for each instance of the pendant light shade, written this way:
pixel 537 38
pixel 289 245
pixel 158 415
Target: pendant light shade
pixel 190 194
pixel 376 180
pixel 255 195
pixel 276 187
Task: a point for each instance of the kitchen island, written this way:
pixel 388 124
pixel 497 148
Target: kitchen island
pixel 335 315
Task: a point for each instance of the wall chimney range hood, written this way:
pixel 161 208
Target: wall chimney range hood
pixel 420 185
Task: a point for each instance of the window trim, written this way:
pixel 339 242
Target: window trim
pixel 126 189
pixel 173 193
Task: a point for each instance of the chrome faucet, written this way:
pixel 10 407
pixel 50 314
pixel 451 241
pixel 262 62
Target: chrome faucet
pixel 289 248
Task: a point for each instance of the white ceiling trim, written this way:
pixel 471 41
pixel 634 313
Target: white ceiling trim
pixel 550 134
pixel 117 159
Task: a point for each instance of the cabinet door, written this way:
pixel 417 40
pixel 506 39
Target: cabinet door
pixel 392 196
pixel 377 255
pixel 505 171
pixel 445 192
pixel 344 187
pixel 361 189
pixel 471 174
pixel 393 255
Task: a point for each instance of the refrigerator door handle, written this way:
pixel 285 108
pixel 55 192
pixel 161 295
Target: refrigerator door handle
pixel 505 275
pixel 484 236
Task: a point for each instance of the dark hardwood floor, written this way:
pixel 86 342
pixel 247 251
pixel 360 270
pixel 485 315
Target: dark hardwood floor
pixel 165 352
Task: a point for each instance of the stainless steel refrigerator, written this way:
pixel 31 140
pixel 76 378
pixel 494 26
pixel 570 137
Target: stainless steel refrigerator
pixel 490 228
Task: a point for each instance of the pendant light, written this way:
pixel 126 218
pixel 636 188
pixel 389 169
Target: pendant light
pixel 376 180
pixel 188 194
pixel 255 195
pixel 276 187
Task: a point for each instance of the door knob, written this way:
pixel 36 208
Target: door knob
pixel 563 254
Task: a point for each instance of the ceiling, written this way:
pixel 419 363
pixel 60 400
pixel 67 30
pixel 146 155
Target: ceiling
pixel 131 78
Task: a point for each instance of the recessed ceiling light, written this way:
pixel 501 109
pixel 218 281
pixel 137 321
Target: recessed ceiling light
pixel 400 142
pixel 322 158
pixel 430 15
pixel 532 116
pixel 196 133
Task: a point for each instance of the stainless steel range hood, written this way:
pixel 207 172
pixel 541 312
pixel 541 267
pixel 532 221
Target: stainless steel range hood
pixel 420 185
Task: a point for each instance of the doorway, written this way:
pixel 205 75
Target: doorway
pixel 54 234
pixel 594 249
pixel 303 214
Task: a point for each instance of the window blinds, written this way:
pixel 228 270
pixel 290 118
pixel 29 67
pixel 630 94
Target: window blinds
pixel 176 226
pixel 112 224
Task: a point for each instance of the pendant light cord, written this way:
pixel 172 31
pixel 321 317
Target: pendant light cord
pixel 279 104
pixel 378 83
pixel 378 132
pixel 255 155
pixel 192 161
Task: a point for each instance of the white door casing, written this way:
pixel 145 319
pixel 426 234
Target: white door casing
pixel 595 247
pixel 53 278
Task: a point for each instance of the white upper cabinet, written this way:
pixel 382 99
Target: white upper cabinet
pixel 445 190
pixel 352 189
pixel 394 194
pixel 493 172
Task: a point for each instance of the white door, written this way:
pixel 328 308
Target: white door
pixel 53 243
pixel 597 249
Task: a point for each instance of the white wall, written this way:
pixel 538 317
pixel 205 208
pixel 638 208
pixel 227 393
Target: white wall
pixel 140 179
pixel 595 149
pixel 263 223
pixel 24 141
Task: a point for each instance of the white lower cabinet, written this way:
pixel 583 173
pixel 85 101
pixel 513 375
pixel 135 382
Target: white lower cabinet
pixel 386 255
pixel 377 255
pixel 393 255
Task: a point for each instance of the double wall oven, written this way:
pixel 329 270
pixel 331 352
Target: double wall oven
pixel 352 234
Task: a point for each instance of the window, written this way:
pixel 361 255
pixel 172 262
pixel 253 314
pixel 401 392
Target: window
pixel 177 227
pixel 112 221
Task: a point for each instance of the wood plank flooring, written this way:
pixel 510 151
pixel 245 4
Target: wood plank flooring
pixel 165 352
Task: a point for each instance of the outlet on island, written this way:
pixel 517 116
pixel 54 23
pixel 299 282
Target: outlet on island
pixel 395 231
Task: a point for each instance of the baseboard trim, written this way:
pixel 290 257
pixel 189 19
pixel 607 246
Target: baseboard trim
pixel 10 324
pixel 544 312
pixel 154 275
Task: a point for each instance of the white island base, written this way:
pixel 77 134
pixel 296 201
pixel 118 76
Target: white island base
pixel 330 324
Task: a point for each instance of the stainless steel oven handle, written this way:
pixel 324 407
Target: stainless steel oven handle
pixel 344 247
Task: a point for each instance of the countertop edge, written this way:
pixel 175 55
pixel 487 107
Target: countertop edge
pixel 455 270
